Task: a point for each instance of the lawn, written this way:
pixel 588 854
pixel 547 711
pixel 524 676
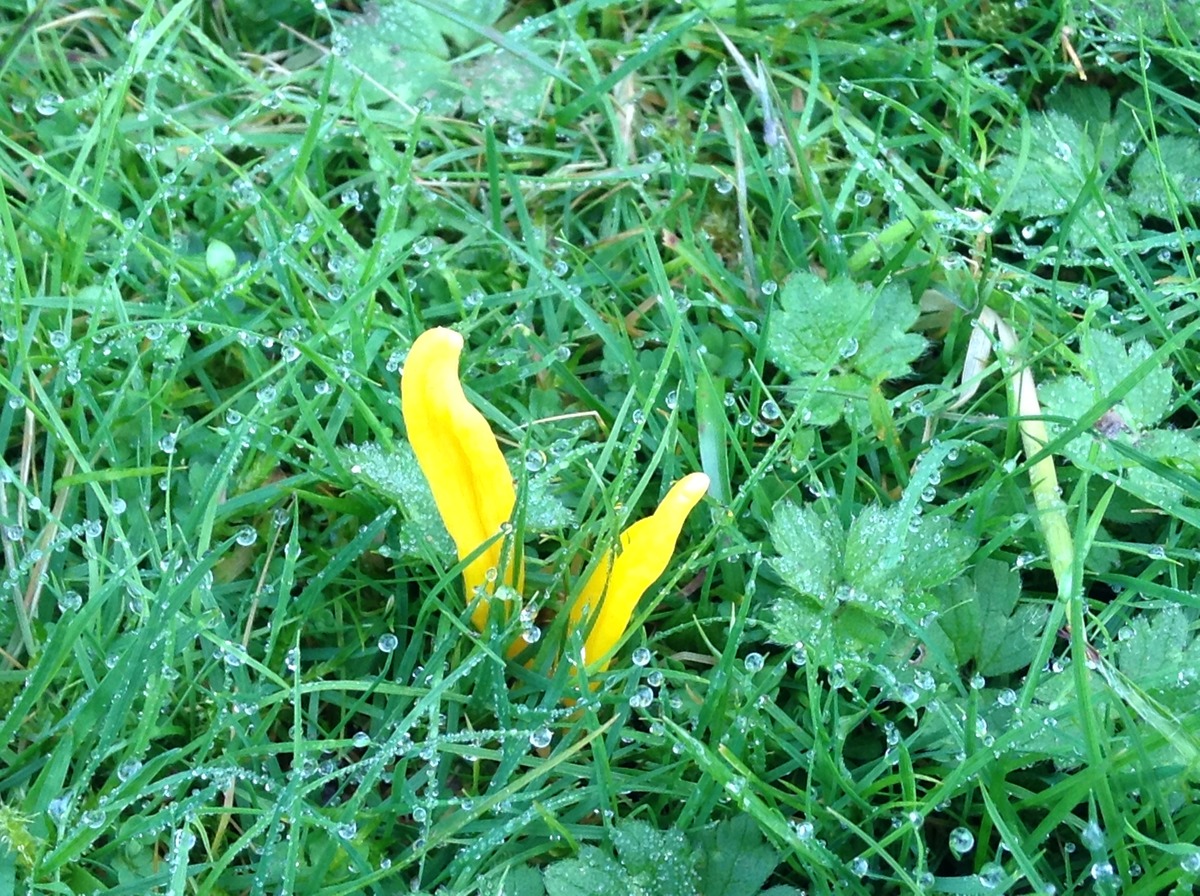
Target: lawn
pixel 904 295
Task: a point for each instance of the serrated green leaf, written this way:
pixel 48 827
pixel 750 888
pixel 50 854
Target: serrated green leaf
pixel 839 341
pixel 1148 19
pixel 649 862
pixel 809 549
pixel 400 51
pixel 859 591
pixel 1051 174
pixel 1048 180
pixel 1106 361
pixel 887 553
pixel 735 859
pixel 985 624
pixel 1110 362
pixel 502 84
pixel 1125 441
pixel 1088 106
pixel 826 400
pixel 393 51
pixel 886 348
pixel 839 325
pixel 591 874
pixel 658 863
pixel 1166 176
pixel 544 510
pixel 1162 652
pixel 521 880
pixel 395 476
pixel 830 633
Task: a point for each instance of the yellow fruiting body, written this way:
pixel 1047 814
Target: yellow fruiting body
pixel 474 493
pixel 608 598
pixel 462 461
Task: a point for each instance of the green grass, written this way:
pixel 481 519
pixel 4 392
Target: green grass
pixel 198 576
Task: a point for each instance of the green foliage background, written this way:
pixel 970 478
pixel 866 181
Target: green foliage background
pixel 749 238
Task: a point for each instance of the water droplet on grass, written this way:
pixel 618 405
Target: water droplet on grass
pixel 991 875
pixel 541 738
pixel 70 601
pixel 388 642
pixel 962 841
pixel 641 698
pixel 58 807
pixel 1092 837
pixel 48 104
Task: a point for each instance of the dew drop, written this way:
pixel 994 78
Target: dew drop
pixel 48 104
pixel 962 841
pixel 70 601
